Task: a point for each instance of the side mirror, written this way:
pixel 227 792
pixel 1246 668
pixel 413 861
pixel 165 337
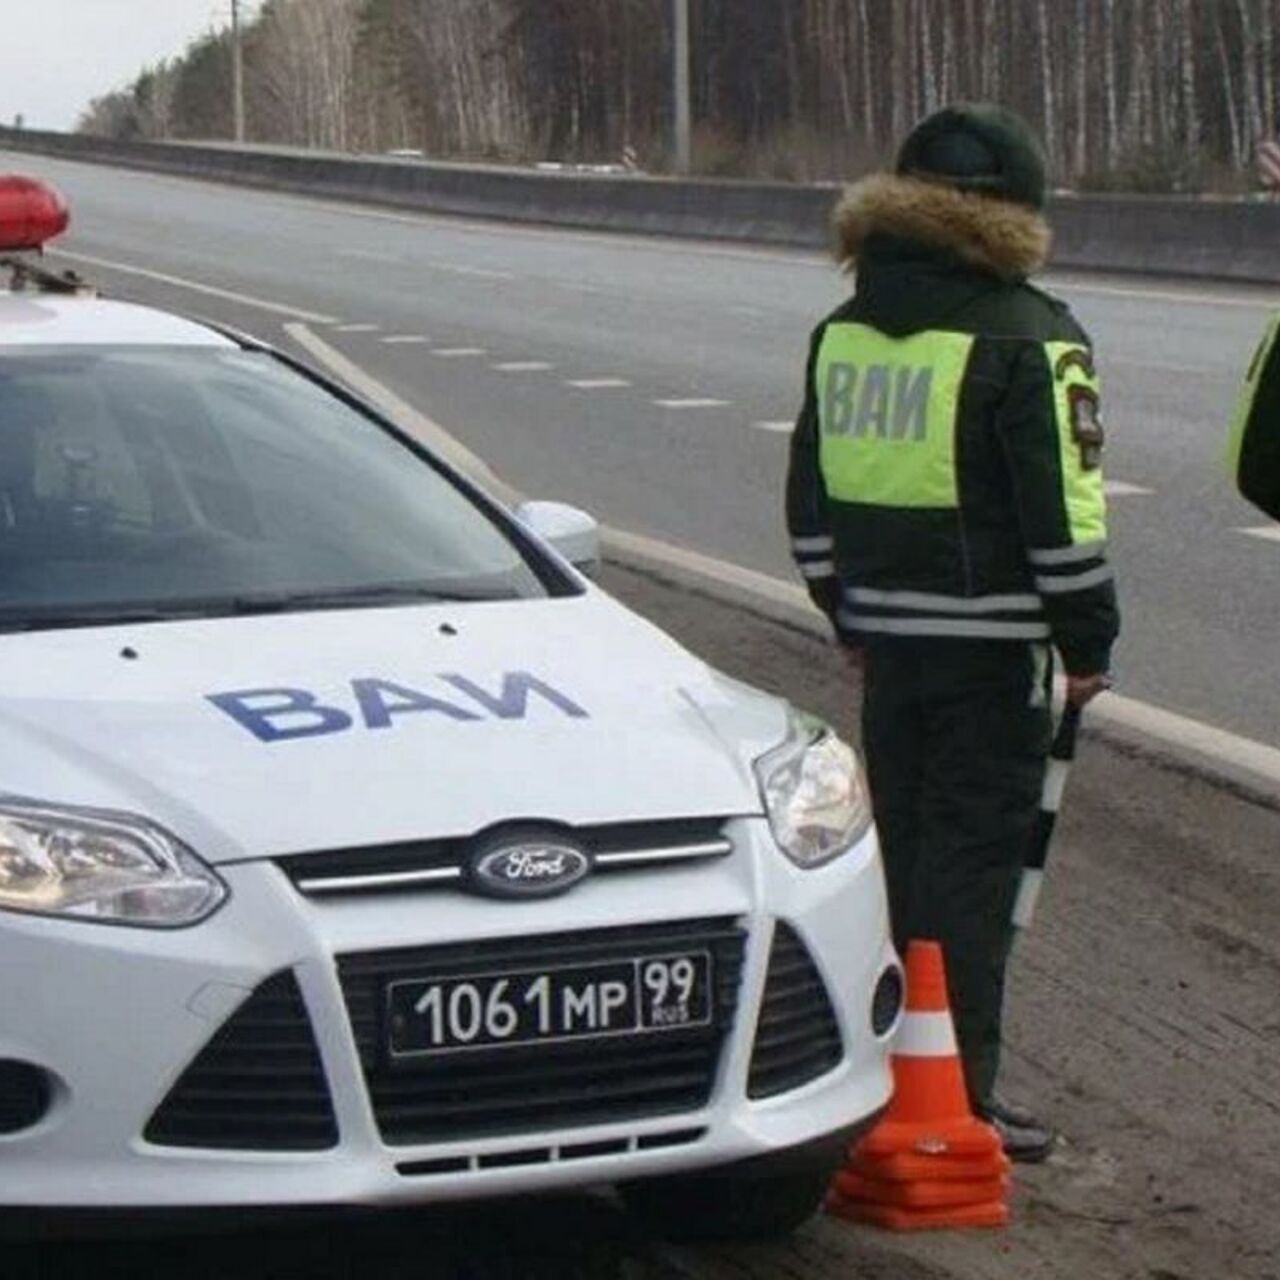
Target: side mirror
pixel 573 533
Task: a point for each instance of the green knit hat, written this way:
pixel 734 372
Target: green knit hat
pixel 980 148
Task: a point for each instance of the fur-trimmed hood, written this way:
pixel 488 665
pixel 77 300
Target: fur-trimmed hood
pixel 1010 240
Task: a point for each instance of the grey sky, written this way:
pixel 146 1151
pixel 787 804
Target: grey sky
pixel 57 54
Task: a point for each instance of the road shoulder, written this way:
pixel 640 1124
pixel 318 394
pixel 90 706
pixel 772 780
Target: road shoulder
pixel 1143 1013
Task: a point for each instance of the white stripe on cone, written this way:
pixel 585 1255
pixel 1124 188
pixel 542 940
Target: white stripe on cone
pixel 926 1035
pixel 1024 907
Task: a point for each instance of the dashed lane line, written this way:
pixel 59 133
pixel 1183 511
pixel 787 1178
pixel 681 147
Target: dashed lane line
pixel 596 384
pixel 694 402
pixel 405 339
pixel 1267 532
pixel 457 353
pixel 368 255
pixel 1122 489
pixel 402 413
pixel 524 366
pixel 478 273
pixel 778 428
pixel 1221 754
pixel 198 286
pixel 361 327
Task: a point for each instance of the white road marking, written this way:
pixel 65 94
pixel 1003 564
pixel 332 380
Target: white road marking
pixel 198 286
pixel 1122 489
pixel 523 366
pixel 1230 754
pixel 403 414
pixel 405 339
pixel 1165 366
pixel 457 353
pixel 695 402
pixel 356 328
pixel 368 255
pixel 1269 532
pixel 1195 297
pixel 481 273
pixel 780 428
pixel 596 384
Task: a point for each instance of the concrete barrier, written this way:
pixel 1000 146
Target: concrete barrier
pixel 1181 236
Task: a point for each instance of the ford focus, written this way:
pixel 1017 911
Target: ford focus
pixel 356 848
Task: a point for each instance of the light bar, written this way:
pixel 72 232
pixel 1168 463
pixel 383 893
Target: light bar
pixel 31 213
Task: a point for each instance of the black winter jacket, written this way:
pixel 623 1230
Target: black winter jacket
pixel 945 473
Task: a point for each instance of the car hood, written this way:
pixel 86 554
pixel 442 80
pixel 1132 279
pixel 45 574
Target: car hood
pixel 261 736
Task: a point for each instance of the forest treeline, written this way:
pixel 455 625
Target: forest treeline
pixel 1129 94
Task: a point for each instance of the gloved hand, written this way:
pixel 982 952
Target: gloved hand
pixel 1081 690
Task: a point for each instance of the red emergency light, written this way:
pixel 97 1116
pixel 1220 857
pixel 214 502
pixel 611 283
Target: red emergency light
pixel 31 213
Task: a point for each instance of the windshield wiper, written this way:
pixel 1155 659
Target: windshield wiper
pixel 105 617
pixel 232 606
pixel 357 598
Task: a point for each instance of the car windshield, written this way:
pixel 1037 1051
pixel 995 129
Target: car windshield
pixel 157 482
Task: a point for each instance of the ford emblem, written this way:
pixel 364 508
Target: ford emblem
pixel 529 869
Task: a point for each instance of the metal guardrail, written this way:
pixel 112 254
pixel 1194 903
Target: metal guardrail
pixel 1181 236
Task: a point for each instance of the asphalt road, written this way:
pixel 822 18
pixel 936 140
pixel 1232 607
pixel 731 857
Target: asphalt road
pixel 651 381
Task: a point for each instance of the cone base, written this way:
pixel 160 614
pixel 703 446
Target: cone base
pixel 921 1194
pixel 906 1166
pixel 994 1213
pixel 963 1136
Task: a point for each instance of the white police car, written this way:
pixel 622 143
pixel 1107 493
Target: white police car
pixel 355 848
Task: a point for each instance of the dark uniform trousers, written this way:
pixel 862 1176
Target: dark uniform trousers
pixel 956 735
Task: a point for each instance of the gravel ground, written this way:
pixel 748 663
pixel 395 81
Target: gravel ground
pixel 1144 1018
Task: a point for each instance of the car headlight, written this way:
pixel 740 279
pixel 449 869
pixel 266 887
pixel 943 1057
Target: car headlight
pixel 111 868
pixel 814 793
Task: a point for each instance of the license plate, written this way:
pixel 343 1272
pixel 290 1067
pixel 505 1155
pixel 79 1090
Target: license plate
pixel 647 996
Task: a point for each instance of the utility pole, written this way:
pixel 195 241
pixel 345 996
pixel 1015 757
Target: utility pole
pixel 237 72
pixel 681 78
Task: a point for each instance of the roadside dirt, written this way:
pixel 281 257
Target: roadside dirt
pixel 1144 1017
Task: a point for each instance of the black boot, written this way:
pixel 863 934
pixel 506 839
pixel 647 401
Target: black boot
pixel 1025 1139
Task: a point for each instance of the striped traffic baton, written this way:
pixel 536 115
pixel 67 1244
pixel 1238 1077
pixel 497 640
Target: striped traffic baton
pixel 1057 770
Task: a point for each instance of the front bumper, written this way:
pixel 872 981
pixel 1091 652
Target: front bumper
pixel 116 1016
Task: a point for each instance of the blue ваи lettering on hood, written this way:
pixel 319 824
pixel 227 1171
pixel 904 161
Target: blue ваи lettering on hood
pixel 280 714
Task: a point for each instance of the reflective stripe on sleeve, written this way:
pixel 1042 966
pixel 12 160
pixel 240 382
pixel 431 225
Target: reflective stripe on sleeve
pixel 817 568
pixel 964 628
pixel 1050 556
pixel 928 602
pixel 1074 581
pixel 813 545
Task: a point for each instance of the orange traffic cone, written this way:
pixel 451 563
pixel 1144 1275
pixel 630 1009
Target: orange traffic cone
pixel 930 1162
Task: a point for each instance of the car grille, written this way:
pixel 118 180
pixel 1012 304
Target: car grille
pixel 440 864
pixel 258 1085
pixel 797 1037
pixel 543 1087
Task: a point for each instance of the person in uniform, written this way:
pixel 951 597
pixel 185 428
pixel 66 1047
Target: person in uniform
pixel 945 507
pixel 1254 453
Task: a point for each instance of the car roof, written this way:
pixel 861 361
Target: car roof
pixel 48 320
